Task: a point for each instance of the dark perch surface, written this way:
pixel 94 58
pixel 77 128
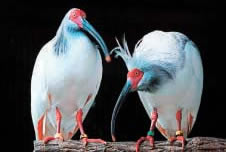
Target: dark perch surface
pixel 193 144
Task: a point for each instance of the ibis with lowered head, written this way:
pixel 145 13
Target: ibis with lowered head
pixel 166 70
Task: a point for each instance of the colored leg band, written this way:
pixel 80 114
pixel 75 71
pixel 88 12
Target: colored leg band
pixel 151 133
pixel 83 136
pixel 179 133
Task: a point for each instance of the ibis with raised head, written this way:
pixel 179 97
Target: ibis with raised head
pixel 66 79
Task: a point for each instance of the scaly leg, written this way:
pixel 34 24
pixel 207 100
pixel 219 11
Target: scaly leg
pixel 150 134
pixel 179 132
pixel 84 136
pixel 58 135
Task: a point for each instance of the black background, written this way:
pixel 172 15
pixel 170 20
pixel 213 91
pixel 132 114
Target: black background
pixel 27 26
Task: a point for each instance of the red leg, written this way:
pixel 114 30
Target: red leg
pixel 178 118
pixel 189 122
pixel 58 135
pixel 150 134
pixel 179 133
pixel 40 127
pixel 83 136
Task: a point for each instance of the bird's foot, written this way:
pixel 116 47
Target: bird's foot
pixel 86 140
pixel 178 138
pixel 58 136
pixel 142 139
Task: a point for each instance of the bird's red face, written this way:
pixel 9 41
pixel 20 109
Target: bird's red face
pixel 76 16
pixel 135 76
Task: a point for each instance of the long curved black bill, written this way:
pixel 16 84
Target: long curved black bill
pixel 90 29
pixel 126 89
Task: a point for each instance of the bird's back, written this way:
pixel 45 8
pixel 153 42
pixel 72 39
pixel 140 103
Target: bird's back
pixel 162 47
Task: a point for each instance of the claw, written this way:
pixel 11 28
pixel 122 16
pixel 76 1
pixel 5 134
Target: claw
pixel 58 136
pixel 142 139
pixel 87 140
pixel 47 139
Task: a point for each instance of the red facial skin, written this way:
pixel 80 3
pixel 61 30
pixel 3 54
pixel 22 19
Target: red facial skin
pixel 76 15
pixel 135 76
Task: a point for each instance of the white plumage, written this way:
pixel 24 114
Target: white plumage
pixel 67 76
pixel 184 91
pixel 69 83
pixel 166 70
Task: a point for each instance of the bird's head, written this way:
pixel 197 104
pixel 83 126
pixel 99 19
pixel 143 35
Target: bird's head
pixel 134 77
pixel 75 20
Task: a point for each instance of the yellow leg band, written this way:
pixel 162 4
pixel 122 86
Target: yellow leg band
pixel 83 136
pixel 59 136
pixel 179 133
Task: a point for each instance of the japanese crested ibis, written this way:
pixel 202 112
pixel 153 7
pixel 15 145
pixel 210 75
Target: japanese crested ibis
pixel 66 78
pixel 166 70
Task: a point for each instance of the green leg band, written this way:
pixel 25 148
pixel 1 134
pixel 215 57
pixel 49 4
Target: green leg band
pixel 151 133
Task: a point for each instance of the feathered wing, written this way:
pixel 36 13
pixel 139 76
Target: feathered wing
pixel 39 94
pixel 98 78
pixel 197 77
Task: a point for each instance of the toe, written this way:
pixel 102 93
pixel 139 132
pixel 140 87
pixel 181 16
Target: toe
pixel 97 141
pixel 151 140
pixel 59 136
pixel 47 139
pixel 142 139
pixel 84 140
pixel 139 141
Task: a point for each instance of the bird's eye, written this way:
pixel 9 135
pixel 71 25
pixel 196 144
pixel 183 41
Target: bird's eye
pixel 136 73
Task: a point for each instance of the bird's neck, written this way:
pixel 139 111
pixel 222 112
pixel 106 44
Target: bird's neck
pixel 63 38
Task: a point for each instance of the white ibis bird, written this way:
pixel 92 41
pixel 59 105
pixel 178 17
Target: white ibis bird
pixel 66 78
pixel 166 70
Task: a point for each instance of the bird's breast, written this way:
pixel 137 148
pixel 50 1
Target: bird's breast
pixel 73 76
